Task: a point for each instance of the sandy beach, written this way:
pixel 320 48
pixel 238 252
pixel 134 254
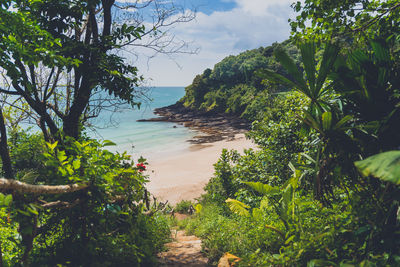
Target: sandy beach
pixel 184 175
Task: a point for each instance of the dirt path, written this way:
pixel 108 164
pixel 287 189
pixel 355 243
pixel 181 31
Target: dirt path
pixel 183 251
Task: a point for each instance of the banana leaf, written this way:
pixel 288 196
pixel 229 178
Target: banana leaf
pixel 385 166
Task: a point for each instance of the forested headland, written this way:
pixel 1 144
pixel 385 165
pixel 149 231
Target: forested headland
pixel 234 85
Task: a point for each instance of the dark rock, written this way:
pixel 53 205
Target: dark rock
pixel 217 126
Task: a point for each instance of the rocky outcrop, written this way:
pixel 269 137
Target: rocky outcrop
pixel 215 126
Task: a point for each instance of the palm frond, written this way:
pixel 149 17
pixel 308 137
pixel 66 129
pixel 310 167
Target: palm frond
pixel 326 121
pixel 275 77
pixel 238 207
pixel 308 59
pixel 340 124
pixel 292 69
pixel 328 61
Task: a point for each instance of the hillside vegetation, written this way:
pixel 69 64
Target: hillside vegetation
pixel 323 188
pixel 234 86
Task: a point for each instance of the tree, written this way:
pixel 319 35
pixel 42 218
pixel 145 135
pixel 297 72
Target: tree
pixel 350 19
pixel 80 57
pixel 56 55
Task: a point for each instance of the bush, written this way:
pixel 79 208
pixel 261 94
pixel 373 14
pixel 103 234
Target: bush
pixel 102 224
pixel 184 206
pixel 134 245
pixel 223 232
pixel 8 239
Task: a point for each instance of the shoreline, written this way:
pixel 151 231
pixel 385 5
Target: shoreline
pixel 212 127
pixel 184 175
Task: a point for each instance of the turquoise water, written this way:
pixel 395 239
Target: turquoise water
pixel 148 139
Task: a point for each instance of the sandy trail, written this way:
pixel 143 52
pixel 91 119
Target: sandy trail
pixel 182 251
pixel 184 175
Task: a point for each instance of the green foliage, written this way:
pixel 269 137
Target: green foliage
pixel 385 166
pixel 5 200
pixel 135 243
pixel 302 184
pixel 234 85
pixel 238 207
pixel 8 237
pixel 16 29
pixel 101 225
pixel 225 232
pixel 351 19
pixel 183 206
pixel 26 152
pixel 368 81
pixel 310 83
pixel 221 185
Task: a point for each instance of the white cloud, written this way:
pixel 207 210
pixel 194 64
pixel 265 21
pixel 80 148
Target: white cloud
pixel 261 7
pixel 253 23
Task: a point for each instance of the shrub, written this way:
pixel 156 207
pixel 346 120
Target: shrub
pixel 102 224
pixel 184 206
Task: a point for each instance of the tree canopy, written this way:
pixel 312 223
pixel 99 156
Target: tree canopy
pixel 66 51
pixel 234 86
pixel 350 19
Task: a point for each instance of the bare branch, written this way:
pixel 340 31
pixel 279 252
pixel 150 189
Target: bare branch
pixel 9 92
pixel 14 185
pixel 60 204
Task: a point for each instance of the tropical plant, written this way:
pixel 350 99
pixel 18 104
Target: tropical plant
pixel 385 166
pixel 368 82
pixel 282 200
pixel 311 83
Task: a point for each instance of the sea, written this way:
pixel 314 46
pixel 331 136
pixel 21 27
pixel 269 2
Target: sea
pixel 153 140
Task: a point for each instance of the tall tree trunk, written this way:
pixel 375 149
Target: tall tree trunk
pixel 4 153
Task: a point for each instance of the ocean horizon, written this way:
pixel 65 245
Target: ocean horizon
pixel 152 140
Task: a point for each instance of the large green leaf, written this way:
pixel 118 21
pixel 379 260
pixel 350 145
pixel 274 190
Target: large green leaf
pixel 328 60
pixel 308 59
pixel 292 69
pixel 275 77
pixel 382 54
pixel 385 166
pixel 310 120
pixel 238 207
pixel 287 198
pixel 264 189
pixel 341 124
pixel 7 200
pixel 327 120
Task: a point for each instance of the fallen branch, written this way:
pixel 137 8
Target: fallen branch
pixel 60 204
pixel 20 187
pixel 160 207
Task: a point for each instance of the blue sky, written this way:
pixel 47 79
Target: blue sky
pixel 210 6
pixel 221 28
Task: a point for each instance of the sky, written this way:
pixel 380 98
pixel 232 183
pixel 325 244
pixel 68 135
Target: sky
pixel 221 28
